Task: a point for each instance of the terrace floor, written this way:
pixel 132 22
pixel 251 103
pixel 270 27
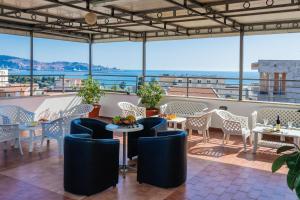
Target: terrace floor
pixel 214 172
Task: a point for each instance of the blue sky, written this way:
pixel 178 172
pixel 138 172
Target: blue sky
pixel 211 54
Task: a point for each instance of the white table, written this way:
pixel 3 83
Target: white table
pixel 176 121
pixel 125 130
pixel 295 133
pixel 32 134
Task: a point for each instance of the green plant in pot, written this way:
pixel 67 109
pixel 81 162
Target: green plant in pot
pixel 91 93
pixel 150 93
pixel 292 161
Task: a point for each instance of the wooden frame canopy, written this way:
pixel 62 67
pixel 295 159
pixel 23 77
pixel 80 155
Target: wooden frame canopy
pixel 134 20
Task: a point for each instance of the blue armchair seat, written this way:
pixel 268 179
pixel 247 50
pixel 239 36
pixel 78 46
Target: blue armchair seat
pixel 90 165
pixel 152 126
pixel 93 127
pixel 163 159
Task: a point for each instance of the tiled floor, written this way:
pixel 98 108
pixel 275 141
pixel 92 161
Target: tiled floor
pixel 214 172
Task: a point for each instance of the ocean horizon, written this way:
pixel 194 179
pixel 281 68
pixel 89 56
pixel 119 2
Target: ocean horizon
pixel 115 77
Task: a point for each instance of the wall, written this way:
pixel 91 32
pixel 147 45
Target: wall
pixel 110 104
pixel 55 104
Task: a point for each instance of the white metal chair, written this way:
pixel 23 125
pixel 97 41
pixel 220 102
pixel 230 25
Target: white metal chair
pixel 130 109
pixel 200 123
pixel 9 133
pixel 234 125
pixel 183 108
pixel 57 129
pixel 81 110
pixel 17 114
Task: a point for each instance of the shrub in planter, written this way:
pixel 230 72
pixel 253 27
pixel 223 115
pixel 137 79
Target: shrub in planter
pixel 91 93
pixel 150 93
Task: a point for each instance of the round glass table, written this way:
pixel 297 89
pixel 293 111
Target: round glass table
pixel 125 130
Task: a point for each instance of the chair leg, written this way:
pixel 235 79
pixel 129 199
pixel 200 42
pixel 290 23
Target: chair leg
pixel 60 146
pixel 227 139
pixel 42 141
pixel 20 146
pixel 224 138
pixel 250 139
pixel 5 146
pixel 207 134
pixel 204 135
pixel 190 132
pixel 245 142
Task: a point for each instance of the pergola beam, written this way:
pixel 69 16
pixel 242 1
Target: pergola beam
pixel 234 25
pixel 150 21
pixel 46 15
pixel 102 13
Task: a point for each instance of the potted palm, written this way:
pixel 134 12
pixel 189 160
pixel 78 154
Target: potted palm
pixel 292 161
pixel 151 94
pixel 91 93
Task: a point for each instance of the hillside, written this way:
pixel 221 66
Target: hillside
pixel 16 63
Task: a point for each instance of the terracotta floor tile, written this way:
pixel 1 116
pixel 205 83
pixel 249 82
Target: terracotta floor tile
pixel 214 172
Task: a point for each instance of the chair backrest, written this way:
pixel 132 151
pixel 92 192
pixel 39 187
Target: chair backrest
pixel 8 132
pixel 286 115
pixel 224 115
pixel 183 108
pixel 130 109
pixel 16 114
pixel 126 105
pixel 201 122
pixel 232 124
pixel 58 127
pixel 82 110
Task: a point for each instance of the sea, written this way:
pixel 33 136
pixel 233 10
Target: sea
pixel 130 77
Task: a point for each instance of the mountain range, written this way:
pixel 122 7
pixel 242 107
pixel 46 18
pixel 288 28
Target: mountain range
pixel 16 63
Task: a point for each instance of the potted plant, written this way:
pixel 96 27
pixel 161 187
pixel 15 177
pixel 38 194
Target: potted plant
pixel 292 160
pixel 151 94
pixel 90 92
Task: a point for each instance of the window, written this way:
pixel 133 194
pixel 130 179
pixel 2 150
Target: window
pixel 199 81
pixel 264 83
pixel 208 81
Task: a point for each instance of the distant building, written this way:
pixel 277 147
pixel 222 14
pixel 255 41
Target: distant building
pixel 3 77
pixel 193 92
pixel 279 80
pixel 19 90
pixel 69 84
pixel 209 86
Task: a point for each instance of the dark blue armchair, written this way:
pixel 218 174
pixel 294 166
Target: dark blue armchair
pixel 152 125
pixel 163 159
pixel 90 165
pixel 93 127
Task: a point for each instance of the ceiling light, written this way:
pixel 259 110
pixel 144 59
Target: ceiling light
pixel 90 18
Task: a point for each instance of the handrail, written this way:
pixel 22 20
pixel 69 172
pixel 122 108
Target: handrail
pixel 223 87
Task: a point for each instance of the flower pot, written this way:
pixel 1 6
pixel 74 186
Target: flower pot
pixel 95 112
pixel 151 111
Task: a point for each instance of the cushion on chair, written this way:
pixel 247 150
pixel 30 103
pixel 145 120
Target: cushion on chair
pixel 162 159
pixel 94 127
pixel 90 165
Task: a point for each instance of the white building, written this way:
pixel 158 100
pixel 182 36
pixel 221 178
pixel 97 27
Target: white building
pixel 3 77
pixel 279 80
pixel 68 84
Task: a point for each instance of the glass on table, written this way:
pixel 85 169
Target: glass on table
pixel 266 121
pixel 290 124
